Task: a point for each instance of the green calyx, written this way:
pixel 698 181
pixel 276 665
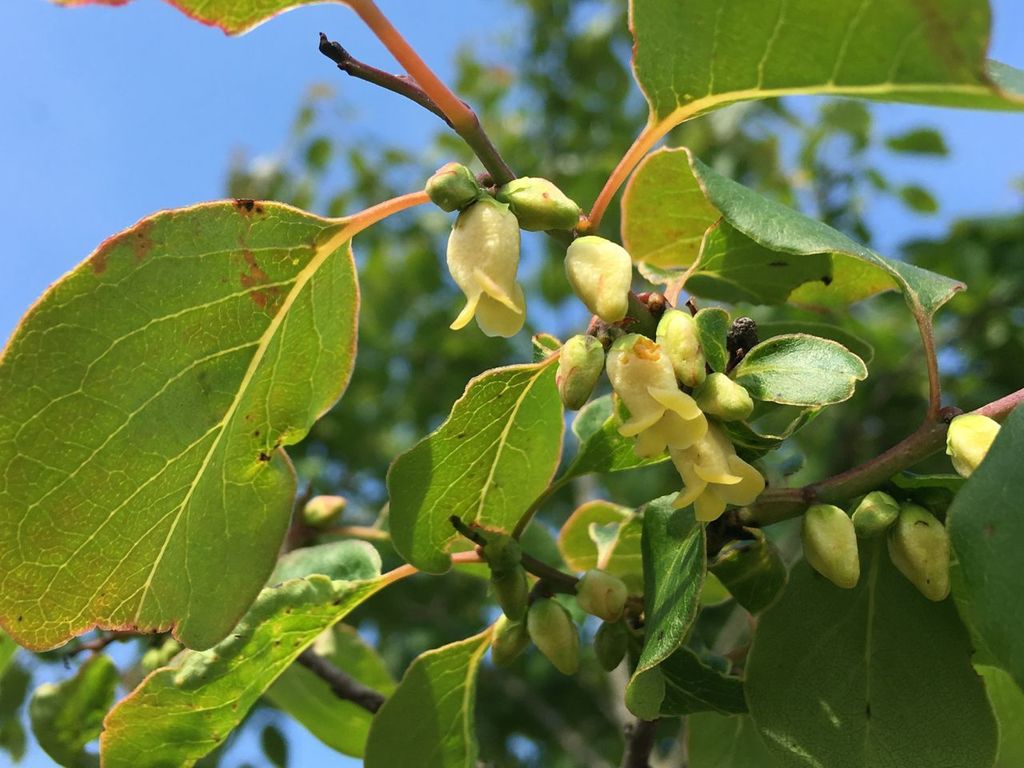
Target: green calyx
pixel 875 514
pixel 580 364
pixel 554 634
pixel 539 205
pixel 509 641
pixel 830 545
pixel 919 548
pixel 610 644
pixel 453 187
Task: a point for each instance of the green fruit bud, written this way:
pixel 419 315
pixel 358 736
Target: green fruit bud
pixel 601 274
pixel 610 644
pixel 645 693
pixel 453 187
pixel 875 514
pixel 919 548
pixel 969 437
pixel 722 397
pixel 512 591
pixel 510 639
pixel 321 511
pixel 830 545
pixel 500 551
pixel 678 336
pixel 554 634
pixel 579 367
pixel 601 594
pixel 539 205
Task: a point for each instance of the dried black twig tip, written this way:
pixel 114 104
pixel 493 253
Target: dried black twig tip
pixel 742 338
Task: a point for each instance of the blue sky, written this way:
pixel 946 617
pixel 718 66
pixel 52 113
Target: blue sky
pixel 107 115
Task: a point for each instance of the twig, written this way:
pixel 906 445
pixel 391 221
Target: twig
pixel 777 504
pixel 100 643
pixel 639 744
pixel 341 685
pixel 400 84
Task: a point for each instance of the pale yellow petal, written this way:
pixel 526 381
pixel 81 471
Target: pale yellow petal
pixel 678 401
pixel 650 442
pixel 466 314
pixel 496 319
pixel 708 506
pixel 496 292
pixel 688 495
pixel 748 489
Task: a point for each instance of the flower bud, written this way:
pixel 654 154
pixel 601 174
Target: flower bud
pixel 601 594
pixel 510 639
pixel 830 545
pixel 678 335
pixel 500 551
pixel 512 591
pixel 453 187
pixel 919 548
pixel 554 634
pixel 600 273
pixel 645 693
pixel 722 397
pixel 969 437
pixel 875 514
pixel 539 205
pixel 483 256
pixel 579 367
pixel 321 511
pixel 610 644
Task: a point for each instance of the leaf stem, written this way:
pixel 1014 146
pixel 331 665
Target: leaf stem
pixel 528 515
pixel 367 217
pixel 404 571
pixel 458 114
pixel 924 325
pixel 777 504
pixel 644 143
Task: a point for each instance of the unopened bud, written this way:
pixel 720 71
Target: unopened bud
pixel 679 337
pixel 579 367
pixel 539 205
pixel 969 437
pixel 830 545
pixel 610 644
pixel 645 693
pixel 601 594
pixel 722 397
pixel 554 634
pixel 500 550
pixel 875 514
pixel 512 591
pixel 919 548
pixel 600 273
pixel 453 187
pixel 321 511
pixel 509 641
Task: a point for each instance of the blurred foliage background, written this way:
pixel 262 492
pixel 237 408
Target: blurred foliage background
pixel 558 98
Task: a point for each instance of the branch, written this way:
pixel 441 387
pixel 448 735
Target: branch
pixel 777 504
pixel 639 744
pixel 341 685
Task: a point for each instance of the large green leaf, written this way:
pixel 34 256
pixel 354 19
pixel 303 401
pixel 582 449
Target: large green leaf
pixel 601 447
pixel 493 456
pixel 753 248
pixel 718 741
pixel 675 562
pixel 341 725
pixel 875 676
pixel 67 716
pixel 692 686
pixel 182 712
pixel 986 527
pixel 752 570
pixel 1008 703
pixel 798 369
pixel 147 398
pixel 8 648
pixel 603 535
pixel 696 56
pixel 428 721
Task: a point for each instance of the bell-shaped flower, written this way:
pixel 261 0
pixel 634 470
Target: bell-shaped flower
pixel 660 414
pixel 483 257
pixel 714 476
pixel 600 273
pixel 969 437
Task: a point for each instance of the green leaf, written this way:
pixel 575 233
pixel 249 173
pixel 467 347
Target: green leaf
pixel 602 448
pixel 347 560
pixel 275 748
pixel 8 649
pixel 770 425
pixel 674 565
pixel 918 199
pixel 13 687
pixel 752 570
pixel 919 141
pixel 339 724
pixel 232 16
pixel 713 330
pixel 799 369
pixel 692 686
pixel 487 463
pixel 861 348
pixel 868 677
pixel 694 57
pixel 177 361
pixel 184 711
pixel 603 535
pixel 1008 703
pixel 66 716
pixel 428 721
pixel 761 251
pixel 717 741
pixel 986 529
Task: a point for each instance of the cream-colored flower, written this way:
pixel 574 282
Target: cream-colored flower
pixel 714 476
pixel 660 414
pixel 969 437
pixel 483 257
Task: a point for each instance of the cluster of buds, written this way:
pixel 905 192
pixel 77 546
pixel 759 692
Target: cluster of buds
pixel 917 541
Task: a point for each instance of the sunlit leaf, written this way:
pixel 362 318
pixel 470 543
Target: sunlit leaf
pixel 601 447
pixel 603 535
